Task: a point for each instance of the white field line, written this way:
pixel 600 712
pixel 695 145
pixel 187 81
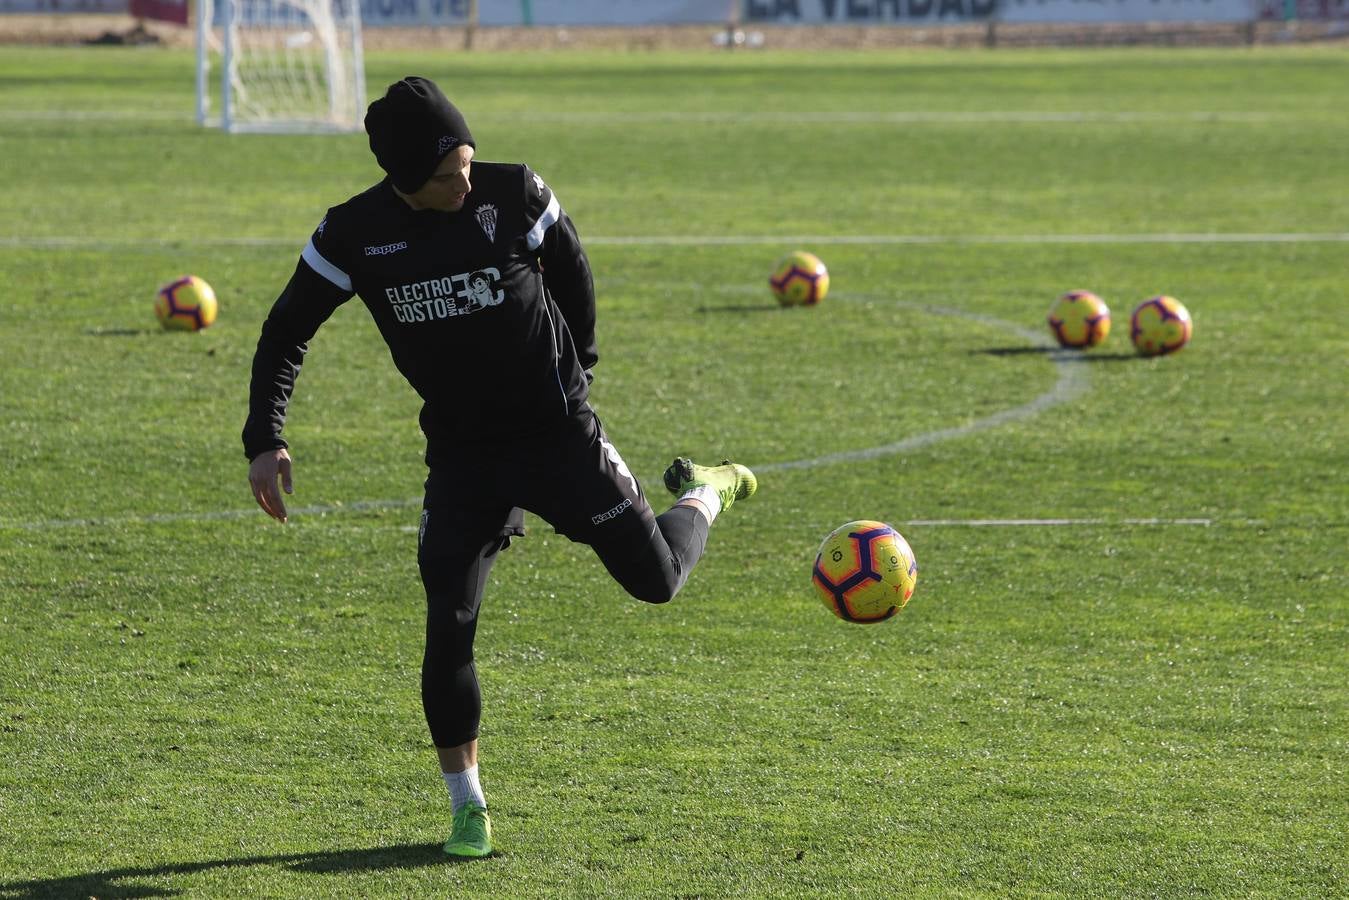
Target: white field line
pixel 302 513
pixel 740 117
pixel 1056 523
pixel 889 239
pixel 1027 523
pixel 71 242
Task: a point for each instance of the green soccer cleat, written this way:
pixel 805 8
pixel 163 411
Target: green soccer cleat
pixel 472 833
pixel 731 481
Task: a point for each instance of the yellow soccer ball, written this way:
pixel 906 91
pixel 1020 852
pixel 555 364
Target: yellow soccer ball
pixel 1160 325
pixel 1079 319
pixel 865 572
pixel 186 304
pixel 800 279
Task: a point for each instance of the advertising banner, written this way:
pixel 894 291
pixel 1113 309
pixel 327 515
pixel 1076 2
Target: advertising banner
pixel 1135 11
pixel 375 13
pixel 950 12
pixel 604 12
pixel 867 12
pixel 546 12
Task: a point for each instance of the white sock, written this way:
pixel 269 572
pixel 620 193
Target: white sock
pixel 464 787
pixel 708 497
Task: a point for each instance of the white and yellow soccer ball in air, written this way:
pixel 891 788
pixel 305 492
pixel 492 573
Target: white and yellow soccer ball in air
pixel 186 304
pixel 800 279
pixel 1079 319
pixel 1160 325
pixel 865 572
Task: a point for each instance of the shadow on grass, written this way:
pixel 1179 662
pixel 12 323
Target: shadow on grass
pixel 1063 354
pixel 120 884
pixel 742 308
pixel 118 332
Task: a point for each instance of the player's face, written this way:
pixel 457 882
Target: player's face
pixel 448 186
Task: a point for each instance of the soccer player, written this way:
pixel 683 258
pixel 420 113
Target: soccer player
pixel 479 285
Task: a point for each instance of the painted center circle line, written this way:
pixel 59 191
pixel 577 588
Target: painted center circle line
pixel 1071 381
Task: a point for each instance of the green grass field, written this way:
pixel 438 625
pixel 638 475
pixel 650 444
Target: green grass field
pixel 1147 699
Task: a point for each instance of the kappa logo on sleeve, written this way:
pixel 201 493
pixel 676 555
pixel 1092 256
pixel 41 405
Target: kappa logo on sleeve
pixel 386 249
pixel 614 513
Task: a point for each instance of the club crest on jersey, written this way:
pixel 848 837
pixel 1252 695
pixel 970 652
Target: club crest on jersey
pixel 487 220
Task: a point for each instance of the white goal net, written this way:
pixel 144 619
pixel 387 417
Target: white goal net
pixel 280 65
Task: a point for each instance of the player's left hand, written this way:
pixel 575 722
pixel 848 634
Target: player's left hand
pixel 263 472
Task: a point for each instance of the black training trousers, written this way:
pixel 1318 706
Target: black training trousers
pixel 574 479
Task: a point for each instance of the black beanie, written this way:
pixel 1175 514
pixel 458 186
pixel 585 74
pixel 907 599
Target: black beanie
pixel 411 129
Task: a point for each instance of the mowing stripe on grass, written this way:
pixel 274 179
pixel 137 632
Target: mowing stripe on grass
pixel 218 515
pixel 1072 380
pixel 69 242
pixel 738 117
pixel 900 116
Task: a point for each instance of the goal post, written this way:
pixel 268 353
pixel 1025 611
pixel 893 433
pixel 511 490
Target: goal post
pixel 282 66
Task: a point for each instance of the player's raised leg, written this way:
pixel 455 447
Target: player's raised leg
pixel 653 559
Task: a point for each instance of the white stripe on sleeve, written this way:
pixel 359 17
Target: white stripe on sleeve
pixel 325 268
pixel 550 215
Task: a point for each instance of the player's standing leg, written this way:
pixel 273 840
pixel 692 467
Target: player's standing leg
pixel 458 541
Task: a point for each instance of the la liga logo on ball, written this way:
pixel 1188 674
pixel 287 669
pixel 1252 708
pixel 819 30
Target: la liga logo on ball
pixel 186 304
pixel 800 279
pixel 865 572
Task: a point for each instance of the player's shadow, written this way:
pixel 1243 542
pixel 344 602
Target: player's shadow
pixel 1059 354
pixel 124 884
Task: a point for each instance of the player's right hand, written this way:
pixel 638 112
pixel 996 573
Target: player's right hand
pixel 262 476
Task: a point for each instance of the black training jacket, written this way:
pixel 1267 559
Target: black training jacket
pixel 489 312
